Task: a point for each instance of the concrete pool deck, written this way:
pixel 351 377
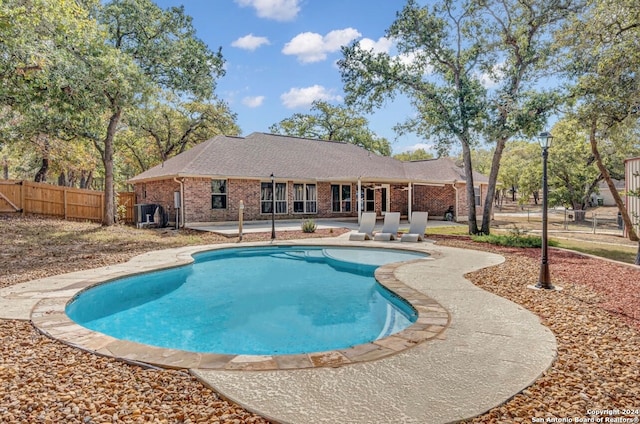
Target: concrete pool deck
pixel 491 350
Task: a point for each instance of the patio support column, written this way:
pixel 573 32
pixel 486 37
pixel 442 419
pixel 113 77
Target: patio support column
pixel 359 197
pixel 410 201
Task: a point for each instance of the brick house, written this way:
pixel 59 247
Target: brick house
pixel 311 178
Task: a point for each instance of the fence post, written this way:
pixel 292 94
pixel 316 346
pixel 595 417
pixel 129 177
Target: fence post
pixel 595 222
pixel 102 208
pixel 64 201
pixel 23 197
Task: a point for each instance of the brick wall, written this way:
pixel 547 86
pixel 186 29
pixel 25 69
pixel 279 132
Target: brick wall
pixel 463 204
pixel 197 200
pixel 432 199
pixel 158 192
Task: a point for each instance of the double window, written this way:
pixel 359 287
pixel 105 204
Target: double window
pixel 266 197
pixel 341 197
pixel 305 198
pixel 218 194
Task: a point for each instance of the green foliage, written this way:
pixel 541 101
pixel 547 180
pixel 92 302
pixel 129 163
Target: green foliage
pixel 438 49
pixel 168 126
pixel 418 154
pixel 74 71
pixel 516 238
pixel 309 226
pixel 122 212
pixel 336 123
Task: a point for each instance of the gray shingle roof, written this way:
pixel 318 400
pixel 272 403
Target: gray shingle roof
pixel 259 155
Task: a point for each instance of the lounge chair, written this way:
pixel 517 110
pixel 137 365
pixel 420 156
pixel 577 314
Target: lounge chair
pixel 365 232
pixel 389 228
pixel 417 228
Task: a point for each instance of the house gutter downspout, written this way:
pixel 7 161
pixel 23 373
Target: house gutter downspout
pixel 410 201
pixel 181 200
pixel 456 206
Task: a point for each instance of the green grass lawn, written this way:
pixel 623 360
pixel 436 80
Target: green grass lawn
pixel 603 250
pixel 608 251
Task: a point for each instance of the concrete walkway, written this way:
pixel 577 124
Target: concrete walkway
pixel 492 349
pixel 231 228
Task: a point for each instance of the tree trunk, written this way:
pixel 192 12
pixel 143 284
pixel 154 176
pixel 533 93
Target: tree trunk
pixel 71 178
pixel 41 175
pixel 62 180
pixel 109 215
pixel 86 178
pixel 493 180
pixel 471 196
pixel 5 168
pixel 607 177
pixel 89 181
pixel 638 255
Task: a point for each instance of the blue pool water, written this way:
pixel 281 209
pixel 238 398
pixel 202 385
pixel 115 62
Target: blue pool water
pixel 258 301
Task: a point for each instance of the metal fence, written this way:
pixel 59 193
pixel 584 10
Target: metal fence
pixel 577 220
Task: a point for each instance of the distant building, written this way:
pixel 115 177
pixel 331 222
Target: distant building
pixel 604 197
pixel 632 183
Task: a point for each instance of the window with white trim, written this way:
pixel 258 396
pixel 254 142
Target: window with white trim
pixel 266 197
pixel 341 197
pixel 368 199
pixel 218 194
pixel 477 192
pixel 305 198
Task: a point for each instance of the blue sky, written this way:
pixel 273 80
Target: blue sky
pixel 281 55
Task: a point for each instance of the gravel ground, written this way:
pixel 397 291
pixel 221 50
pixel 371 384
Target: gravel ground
pixel 595 319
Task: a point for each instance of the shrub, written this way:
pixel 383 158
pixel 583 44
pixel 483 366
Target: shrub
pixel 516 238
pixel 309 226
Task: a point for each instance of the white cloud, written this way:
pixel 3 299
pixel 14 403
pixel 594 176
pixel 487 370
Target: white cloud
pixel 423 146
pixel 491 79
pixel 383 45
pixel 253 101
pixel 279 10
pixel 297 97
pixel 312 47
pixel 250 42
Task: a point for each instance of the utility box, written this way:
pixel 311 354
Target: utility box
pixel 176 200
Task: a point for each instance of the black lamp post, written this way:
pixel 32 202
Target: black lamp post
pixel 544 281
pixel 273 207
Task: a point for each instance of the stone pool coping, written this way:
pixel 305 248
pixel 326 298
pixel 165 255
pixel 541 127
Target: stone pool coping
pixel 491 350
pixel 49 317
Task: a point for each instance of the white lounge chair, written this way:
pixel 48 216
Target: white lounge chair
pixel 365 232
pixel 389 228
pixel 417 228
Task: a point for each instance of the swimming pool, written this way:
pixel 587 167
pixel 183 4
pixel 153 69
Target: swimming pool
pixel 257 301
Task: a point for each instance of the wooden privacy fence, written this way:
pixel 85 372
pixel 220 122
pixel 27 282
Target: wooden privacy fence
pixel 63 202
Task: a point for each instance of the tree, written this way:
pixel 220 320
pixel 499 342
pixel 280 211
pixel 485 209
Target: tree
pixel 418 154
pixel 439 49
pixel 169 126
pixel 41 41
pixel 520 39
pixel 333 123
pixel 572 174
pixel 518 155
pixel 32 32
pixel 146 48
pixel 604 57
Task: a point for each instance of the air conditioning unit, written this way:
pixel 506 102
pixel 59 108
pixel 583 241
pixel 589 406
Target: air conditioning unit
pixel 148 214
